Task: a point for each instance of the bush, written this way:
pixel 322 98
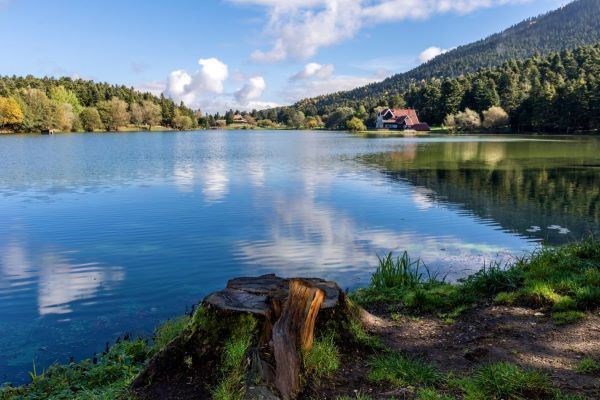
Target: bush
pixel 467 120
pixel 495 117
pixel 356 125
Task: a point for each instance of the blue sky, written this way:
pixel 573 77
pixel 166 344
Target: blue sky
pixel 253 53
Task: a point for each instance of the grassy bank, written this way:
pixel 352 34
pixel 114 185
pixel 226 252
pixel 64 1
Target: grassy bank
pixel 564 280
pixel 563 283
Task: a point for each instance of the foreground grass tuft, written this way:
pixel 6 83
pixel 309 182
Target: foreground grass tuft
pixel 565 279
pixel 233 365
pixel 168 331
pixel 323 359
pixel 588 366
pixel 567 317
pixel 108 378
pixel 401 371
pixel 507 381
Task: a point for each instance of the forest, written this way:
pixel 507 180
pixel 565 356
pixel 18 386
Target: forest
pixel 574 25
pixel 29 104
pixel 559 92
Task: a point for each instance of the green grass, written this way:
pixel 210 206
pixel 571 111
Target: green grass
pixel 323 359
pixel 358 396
pixel 565 279
pixel 109 378
pixel 168 331
pixel 567 317
pixel 588 366
pixel 234 363
pixel 432 394
pixel 401 371
pixel 506 381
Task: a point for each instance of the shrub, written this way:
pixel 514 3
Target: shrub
pixel 467 120
pixel 495 117
pixel 356 125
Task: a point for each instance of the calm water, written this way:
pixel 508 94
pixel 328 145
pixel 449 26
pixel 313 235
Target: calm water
pixel 105 234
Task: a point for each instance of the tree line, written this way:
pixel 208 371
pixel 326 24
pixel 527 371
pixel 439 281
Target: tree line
pixel 573 25
pixel 29 104
pixel 559 92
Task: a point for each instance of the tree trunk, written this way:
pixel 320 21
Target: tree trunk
pixel 288 312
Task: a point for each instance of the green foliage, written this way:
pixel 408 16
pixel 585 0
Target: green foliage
pixel 233 365
pixel 168 331
pixel 356 125
pixel 507 381
pixel 562 278
pixel 588 366
pixel 323 359
pixel 90 119
pixel 472 83
pixel 107 379
pixel 401 371
pixel 49 102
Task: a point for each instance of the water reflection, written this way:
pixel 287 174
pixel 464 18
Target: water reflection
pixel 545 189
pixel 60 281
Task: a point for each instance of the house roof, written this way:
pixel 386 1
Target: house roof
pixel 400 114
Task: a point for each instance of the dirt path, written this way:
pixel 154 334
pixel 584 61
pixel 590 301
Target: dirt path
pixel 518 335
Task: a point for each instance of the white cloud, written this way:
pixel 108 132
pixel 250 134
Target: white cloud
pixel 313 69
pixel 252 90
pixel 209 79
pixel 316 79
pixel 300 28
pixel 431 53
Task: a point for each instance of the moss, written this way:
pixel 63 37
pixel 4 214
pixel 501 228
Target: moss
pixel 401 371
pixel 588 366
pixel 567 317
pixel 323 359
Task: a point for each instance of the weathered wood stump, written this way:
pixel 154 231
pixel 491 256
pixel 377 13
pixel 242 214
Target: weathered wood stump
pixel 287 312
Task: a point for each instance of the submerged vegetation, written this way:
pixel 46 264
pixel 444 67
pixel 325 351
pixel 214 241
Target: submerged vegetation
pixel 563 281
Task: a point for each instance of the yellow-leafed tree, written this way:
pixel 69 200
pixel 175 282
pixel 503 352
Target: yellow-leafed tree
pixel 10 112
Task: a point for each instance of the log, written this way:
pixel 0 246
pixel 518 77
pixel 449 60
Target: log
pixel 288 312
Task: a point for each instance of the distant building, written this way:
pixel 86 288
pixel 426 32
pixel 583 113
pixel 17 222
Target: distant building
pixel 400 119
pixel 239 119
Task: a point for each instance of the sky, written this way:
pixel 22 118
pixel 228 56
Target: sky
pixel 243 54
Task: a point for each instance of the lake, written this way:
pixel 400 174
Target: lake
pixel 107 234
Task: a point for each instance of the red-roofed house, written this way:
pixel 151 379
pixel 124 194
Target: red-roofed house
pixel 400 119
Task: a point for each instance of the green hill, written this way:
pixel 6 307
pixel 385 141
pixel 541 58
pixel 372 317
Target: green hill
pixel 576 24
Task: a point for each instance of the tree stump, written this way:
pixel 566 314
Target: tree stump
pixel 287 312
